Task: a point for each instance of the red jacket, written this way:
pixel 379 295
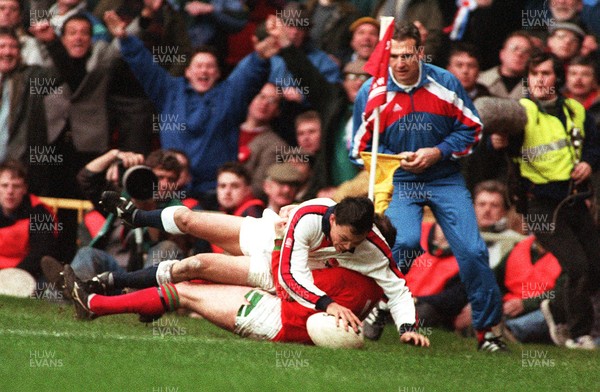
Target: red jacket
pixel 29 230
pixel 429 274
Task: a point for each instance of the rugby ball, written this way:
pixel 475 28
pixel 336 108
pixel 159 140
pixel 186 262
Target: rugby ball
pixel 324 332
pixel 16 282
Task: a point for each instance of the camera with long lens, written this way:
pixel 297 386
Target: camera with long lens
pixel 138 181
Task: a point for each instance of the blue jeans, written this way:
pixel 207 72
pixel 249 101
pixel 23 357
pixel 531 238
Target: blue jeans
pixel 530 327
pixel 89 262
pixel 452 206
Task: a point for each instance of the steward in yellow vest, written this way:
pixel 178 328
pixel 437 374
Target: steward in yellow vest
pixel 556 153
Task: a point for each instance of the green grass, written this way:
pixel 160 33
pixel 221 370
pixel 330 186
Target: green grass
pixel 43 348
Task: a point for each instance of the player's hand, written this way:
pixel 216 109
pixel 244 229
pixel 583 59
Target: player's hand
pixel 115 24
pixel 415 338
pixel 345 315
pixel 421 159
pixel 499 141
pixel 581 172
pixel 513 307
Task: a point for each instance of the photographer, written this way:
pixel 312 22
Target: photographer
pixel 111 246
pixel 555 155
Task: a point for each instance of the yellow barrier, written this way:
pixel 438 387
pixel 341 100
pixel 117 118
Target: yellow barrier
pixel 68 204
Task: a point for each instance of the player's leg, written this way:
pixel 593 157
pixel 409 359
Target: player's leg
pixel 253 271
pixel 245 311
pixel 218 303
pixel 151 301
pixel 220 229
pixel 214 267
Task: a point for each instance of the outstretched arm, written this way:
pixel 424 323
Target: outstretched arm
pixel 154 79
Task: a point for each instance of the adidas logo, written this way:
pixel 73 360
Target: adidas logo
pixel 397 108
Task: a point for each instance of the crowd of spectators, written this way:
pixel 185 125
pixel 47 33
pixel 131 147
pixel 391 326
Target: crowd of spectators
pixel 253 98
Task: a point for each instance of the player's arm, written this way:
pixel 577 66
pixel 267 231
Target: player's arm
pixel 303 233
pixel 400 303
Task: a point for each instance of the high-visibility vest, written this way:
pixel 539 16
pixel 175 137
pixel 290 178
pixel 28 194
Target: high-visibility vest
pixel 547 154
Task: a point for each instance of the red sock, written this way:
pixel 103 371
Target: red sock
pixel 151 301
pixel 481 334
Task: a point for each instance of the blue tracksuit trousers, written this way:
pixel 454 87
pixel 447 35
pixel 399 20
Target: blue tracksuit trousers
pixel 452 207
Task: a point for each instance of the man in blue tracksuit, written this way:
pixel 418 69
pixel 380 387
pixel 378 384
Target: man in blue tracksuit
pixel 429 119
pixel 197 114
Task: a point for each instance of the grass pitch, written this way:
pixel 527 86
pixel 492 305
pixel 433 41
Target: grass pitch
pixel 43 348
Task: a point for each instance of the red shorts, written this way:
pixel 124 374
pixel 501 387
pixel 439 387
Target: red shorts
pixel 348 288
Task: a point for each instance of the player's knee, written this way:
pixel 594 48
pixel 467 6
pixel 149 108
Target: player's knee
pixel 189 268
pixel 183 218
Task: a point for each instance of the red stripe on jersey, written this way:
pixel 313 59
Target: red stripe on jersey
pixel 427 101
pixel 398 107
pixel 385 249
pixel 286 253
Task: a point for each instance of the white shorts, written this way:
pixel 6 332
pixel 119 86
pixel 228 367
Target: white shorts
pixel 257 238
pixel 261 319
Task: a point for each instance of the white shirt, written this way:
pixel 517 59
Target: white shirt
pixel 306 247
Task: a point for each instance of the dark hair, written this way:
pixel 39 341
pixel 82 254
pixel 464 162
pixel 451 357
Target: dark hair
pixel 464 47
pixel 15 167
pixel 310 115
pixel 408 31
pixel 387 229
pixel 557 66
pixel 493 186
pixel 177 152
pixel 80 17
pixel 164 160
pixel 587 61
pixel 235 168
pixel 357 212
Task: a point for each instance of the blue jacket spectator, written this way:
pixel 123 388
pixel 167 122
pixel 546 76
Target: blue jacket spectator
pixel 197 115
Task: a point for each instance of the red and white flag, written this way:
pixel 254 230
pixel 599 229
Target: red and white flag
pixel 377 66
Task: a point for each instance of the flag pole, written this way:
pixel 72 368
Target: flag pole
pixel 384 23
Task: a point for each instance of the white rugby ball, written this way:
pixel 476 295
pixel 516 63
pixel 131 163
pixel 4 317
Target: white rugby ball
pixel 324 332
pixel 16 282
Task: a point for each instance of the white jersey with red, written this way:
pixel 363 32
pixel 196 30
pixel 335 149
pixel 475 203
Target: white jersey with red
pixel 307 247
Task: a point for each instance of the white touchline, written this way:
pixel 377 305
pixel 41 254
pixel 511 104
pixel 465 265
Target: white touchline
pixel 57 334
